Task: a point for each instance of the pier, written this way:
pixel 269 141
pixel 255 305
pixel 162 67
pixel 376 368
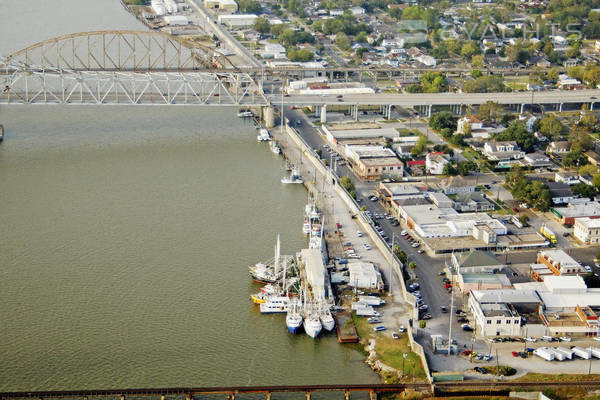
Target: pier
pixel 346 331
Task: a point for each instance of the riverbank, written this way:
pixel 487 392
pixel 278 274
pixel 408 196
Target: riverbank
pixel 334 201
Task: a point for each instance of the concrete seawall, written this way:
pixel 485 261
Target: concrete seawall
pixel 368 229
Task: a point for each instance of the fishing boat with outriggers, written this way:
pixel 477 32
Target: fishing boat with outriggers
pixel 263 135
pixel 275 147
pixel 245 114
pixel 293 319
pixel 268 272
pixel 326 318
pixel 312 323
pixel 293 178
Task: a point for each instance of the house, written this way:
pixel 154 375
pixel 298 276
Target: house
pixel 560 147
pixel 566 82
pixel 530 122
pixel 498 151
pixel 457 184
pixel 434 163
pixel 566 177
pixel 593 157
pixel 472 202
pixel 537 159
pixel 468 121
pixel 560 192
pixel 426 60
pixel 336 12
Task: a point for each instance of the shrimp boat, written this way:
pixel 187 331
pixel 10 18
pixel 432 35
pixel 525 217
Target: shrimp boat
pixel 263 135
pixel 264 273
pixel 306 224
pixel 315 221
pixel 293 319
pixel 293 178
pixel 326 318
pixel 312 324
pixel 275 147
pixel 245 114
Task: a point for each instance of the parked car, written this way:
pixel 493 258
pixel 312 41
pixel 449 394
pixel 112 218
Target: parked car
pixel 373 320
pixel 403 233
pixel 424 307
pixel 444 309
pixel 380 328
pixel 395 335
pixel 426 316
pixel 359 234
pixel 481 370
pixel 402 329
pixel 515 354
pixel 467 328
pixel 465 353
pixel 565 339
pixel 415 245
pixel 421 251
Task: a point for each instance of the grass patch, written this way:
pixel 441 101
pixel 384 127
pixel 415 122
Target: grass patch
pixel 391 352
pixel 536 377
pixel 389 121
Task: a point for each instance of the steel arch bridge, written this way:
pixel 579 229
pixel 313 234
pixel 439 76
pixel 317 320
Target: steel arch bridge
pixel 124 67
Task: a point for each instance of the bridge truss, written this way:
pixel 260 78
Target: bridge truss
pixel 124 67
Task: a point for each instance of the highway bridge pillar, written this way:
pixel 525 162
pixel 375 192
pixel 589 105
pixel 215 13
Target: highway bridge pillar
pixel 592 106
pixel 307 395
pixel 429 109
pixel 269 116
pixel 347 394
pixel 324 113
pixel 560 107
pixel 372 395
pixel 268 395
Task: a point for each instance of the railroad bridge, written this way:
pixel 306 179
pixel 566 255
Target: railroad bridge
pixel 125 67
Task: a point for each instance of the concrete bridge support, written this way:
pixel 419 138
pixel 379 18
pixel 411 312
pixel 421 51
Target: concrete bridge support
pixel 268 116
pixel 429 110
pixel 560 107
pixel 324 114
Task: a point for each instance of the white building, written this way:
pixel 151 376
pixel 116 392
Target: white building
pixel 275 51
pixel 434 163
pixel 364 275
pixel 358 152
pixel 336 12
pixel 426 60
pixel 495 312
pixel 176 20
pixel 587 230
pixel 357 11
pixel 237 20
pixel 507 150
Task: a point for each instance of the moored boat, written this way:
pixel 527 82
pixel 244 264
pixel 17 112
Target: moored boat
pixel 275 304
pixel 327 319
pixel 263 135
pixel 293 178
pixel 245 114
pixel 275 147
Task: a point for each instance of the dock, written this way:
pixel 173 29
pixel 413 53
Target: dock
pixel 346 331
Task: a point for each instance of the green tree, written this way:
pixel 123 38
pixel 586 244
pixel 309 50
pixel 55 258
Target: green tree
pixel 361 37
pixel 584 190
pixel 420 146
pixel 490 111
pixel 469 49
pixel 574 158
pixel 342 41
pixel 550 126
pixel 347 183
pixel 441 120
pixel 261 25
pixel 476 73
pixel 518 132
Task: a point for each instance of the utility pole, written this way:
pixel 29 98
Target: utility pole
pixel 450 318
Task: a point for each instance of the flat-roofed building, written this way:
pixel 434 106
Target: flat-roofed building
pixel 498 312
pixel 377 168
pixel 357 152
pixel 237 20
pixel 338 133
pixel 559 262
pixel 223 5
pixel 477 262
pixel 312 260
pixel 468 282
pixel 587 230
pixel 458 184
pixel 364 275
pixel 568 215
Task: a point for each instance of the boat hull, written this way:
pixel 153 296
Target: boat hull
pixel 256 299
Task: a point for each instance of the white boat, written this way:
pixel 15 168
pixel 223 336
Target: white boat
pixel 270 289
pixel 263 135
pixel 312 325
pixel 293 178
pixel 293 319
pixel 264 273
pixel 327 319
pixel 275 304
pixel 275 147
pixel 245 114
pixel 306 224
pixel 315 221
